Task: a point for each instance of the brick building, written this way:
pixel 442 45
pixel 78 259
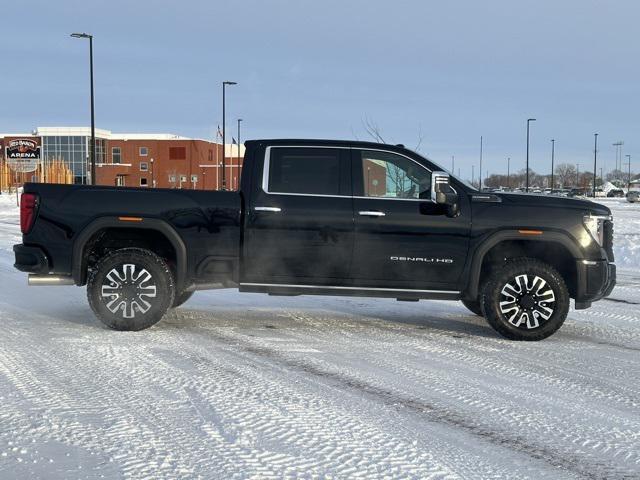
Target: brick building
pixel 132 160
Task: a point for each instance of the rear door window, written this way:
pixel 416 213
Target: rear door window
pixel 297 170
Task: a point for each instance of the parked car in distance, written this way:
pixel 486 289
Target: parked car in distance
pixel 615 192
pixel 633 196
pixel 322 217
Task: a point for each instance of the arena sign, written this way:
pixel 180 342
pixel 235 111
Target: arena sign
pixel 23 155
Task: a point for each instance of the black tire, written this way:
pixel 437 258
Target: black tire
pixel 520 307
pixel 473 306
pixel 122 304
pixel 181 298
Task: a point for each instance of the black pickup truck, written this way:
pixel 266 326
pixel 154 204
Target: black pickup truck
pixel 319 217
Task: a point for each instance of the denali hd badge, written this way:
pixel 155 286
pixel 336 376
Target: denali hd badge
pixel 421 259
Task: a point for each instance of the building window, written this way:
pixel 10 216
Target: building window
pixel 116 155
pixel 183 178
pixel 144 151
pixel 120 181
pixel 172 179
pixel 194 178
pixel 177 153
pixel 144 166
pixel 211 155
pixel 143 182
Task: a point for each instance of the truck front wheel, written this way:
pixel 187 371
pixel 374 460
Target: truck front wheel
pixel 525 300
pixel 130 289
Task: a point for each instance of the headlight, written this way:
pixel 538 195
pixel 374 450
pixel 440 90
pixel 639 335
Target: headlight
pixel 595 226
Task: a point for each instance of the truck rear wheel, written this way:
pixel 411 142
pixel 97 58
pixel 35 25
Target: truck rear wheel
pixel 473 306
pixel 130 289
pixel 525 300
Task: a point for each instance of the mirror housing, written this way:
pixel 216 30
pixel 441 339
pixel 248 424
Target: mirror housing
pixel 443 194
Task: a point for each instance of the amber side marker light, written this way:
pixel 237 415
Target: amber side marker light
pixel 130 219
pixel 530 232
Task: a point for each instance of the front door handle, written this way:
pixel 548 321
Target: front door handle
pixel 371 213
pixel 268 209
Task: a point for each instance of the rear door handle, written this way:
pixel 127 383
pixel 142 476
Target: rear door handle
pixel 371 213
pixel 267 209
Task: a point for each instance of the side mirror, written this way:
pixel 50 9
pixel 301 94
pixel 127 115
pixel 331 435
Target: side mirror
pixel 443 194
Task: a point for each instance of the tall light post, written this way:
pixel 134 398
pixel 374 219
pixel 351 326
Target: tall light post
pixel 618 146
pixel 480 162
pixel 239 171
pixel 224 152
pixel 153 180
pixel 453 164
pixel 577 175
pixel 92 149
pixel 553 154
pixel 595 163
pixel 508 172
pixel 529 120
pixel 473 173
pixel 629 174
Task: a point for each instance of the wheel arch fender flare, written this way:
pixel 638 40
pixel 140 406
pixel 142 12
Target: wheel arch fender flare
pixel 481 251
pixel 78 269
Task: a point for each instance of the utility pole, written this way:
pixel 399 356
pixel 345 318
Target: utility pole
pixel 629 174
pixel 508 172
pixel 473 173
pixel 553 153
pixel 529 120
pixel 595 162
pixel 453 163
pixel 577 175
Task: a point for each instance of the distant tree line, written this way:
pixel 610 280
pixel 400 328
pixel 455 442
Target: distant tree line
pixel 566 175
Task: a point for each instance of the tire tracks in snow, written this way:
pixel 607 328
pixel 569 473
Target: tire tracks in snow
pixel 580 465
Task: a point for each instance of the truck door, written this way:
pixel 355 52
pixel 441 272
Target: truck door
pixel 299 227
pixel 403 239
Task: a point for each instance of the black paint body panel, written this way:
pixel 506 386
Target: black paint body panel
pixel 323 240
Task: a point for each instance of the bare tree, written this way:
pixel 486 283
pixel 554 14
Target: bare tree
pixel 566 174
pixel 372 129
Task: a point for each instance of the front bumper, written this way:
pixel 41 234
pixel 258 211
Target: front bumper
pixel 30 259
pixel 596 279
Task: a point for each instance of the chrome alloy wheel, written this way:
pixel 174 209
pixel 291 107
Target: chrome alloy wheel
pixel 126 288
pixel 526 301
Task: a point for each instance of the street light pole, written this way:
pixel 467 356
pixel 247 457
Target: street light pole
pixel 92 149
pixel 529 120
pixel 480 162
pixel 508 172
pixel 224 152
pixel 595 162
pixel 577 175
pixel 553 153
pixel 239 170
pixel 153 180
pixel 629 174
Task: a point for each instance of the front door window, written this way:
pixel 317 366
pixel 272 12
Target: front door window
pixel 387 175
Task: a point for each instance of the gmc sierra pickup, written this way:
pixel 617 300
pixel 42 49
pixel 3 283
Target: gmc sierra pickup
pixel 318 217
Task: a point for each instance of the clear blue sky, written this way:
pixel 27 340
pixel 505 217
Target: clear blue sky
pixel 453 70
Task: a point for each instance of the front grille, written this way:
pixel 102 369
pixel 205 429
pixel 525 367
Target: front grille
pixel 608 239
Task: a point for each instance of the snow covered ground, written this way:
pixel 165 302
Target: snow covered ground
pixel 249 386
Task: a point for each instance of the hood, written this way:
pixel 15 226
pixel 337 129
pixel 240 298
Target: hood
pixel 552 201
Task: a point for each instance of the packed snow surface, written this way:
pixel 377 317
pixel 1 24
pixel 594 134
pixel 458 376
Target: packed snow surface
pixel 249 386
